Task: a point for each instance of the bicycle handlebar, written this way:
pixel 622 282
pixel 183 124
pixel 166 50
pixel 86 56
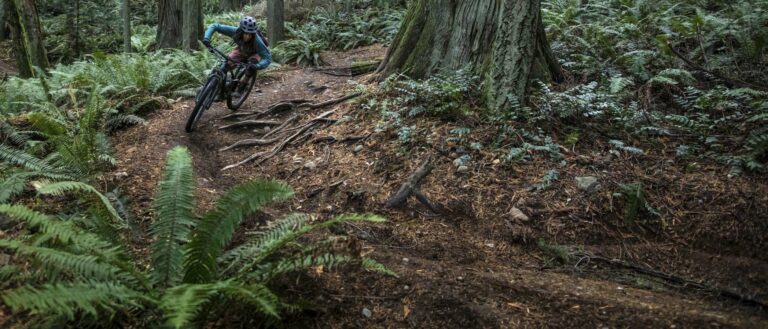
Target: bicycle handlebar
pixel 223 56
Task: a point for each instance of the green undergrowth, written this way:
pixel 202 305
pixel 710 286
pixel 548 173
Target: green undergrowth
pixel 336 30
pixel 77 269
pixel 626 91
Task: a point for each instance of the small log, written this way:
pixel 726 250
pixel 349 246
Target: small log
pixel 411 184
pixel 357 68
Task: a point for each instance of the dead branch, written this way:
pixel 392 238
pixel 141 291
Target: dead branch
pixel 411 185
pixel 247 123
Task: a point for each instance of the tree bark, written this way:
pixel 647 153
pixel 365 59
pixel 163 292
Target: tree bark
pixel 4 33
pixel 275 21
pixel 231 5
pixel 27 36
pixel 125 11
pixel 501 41
pixel 169 24
pixel 193 24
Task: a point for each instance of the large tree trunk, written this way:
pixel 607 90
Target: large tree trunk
pixel 125 11
pixel 27 36
pixel 193 23
pixel 231 5
pixel 275 21
pixel 169 24
pixel 4 33
pixel 502 41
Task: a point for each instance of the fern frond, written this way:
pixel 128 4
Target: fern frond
pixel 61 232
pixel 182 303
pixel 282 229
pixel 287 230
pixel 67 299
pixel 174 217
pixel 81 267
pixel 216 228
pixel 48 125
pixel 267 272
pixel 21 158
pixel 372 265
pixel 62 188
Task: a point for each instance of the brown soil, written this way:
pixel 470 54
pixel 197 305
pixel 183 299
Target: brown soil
pixel 476 266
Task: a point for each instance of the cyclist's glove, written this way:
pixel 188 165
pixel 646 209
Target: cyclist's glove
pixel 252 69
pixel 207 43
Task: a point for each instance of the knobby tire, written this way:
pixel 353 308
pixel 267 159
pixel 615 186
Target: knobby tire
pixel 202 102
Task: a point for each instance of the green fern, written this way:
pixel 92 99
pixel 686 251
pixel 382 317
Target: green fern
pixel 65 299
pixel 216 228
pixel 182 303
pixel 174 217
pixel 62 188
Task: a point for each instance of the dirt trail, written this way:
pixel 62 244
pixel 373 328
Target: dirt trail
pixel 474 268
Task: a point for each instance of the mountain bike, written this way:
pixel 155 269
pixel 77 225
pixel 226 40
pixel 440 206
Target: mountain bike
pixel 222 82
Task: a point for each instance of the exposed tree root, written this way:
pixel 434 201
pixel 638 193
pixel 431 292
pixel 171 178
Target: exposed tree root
pixel 246 123
pixel 263 156
pixel 674 279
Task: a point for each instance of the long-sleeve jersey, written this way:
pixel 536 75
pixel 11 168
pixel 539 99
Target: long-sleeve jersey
pixel 230 31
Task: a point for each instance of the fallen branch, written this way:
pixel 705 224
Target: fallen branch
pixel 411 186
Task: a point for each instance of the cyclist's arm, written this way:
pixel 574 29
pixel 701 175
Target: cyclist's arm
pixel 263 51
pixel 220 28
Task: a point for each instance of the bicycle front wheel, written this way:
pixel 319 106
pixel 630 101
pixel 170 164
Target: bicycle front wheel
pixel 203 101
pixel 244 86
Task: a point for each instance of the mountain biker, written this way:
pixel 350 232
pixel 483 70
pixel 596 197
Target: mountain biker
pixel 250 46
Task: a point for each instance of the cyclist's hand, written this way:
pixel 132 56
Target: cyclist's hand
pixel 207 43
pixel 252 69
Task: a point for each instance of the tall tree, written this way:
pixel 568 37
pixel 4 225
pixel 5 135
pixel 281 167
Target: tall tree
pixel 275 21
pixel 27 36
pixel 125 11
pixel 231 5
pixel 4 33
pixel 169 23
pixel 502 41
pixel 193 24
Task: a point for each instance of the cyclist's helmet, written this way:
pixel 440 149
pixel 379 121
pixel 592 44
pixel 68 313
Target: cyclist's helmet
pixel 248 24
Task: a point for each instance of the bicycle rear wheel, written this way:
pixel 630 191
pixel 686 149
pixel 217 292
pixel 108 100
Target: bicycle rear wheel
pixel 245 85
pixel 203 101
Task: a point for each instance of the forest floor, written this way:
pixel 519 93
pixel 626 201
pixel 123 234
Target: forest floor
pixel 479 263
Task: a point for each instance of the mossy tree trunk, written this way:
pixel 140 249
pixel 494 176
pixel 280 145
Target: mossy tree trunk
pixel 193 24
pixel 125 11
pixel 27 36
pixel 169 24
pixel 231 5
pixel 4 33
pixel 275 21
pixel 502 41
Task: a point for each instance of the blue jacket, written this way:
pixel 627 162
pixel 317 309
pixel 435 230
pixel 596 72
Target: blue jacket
pixel 261 48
